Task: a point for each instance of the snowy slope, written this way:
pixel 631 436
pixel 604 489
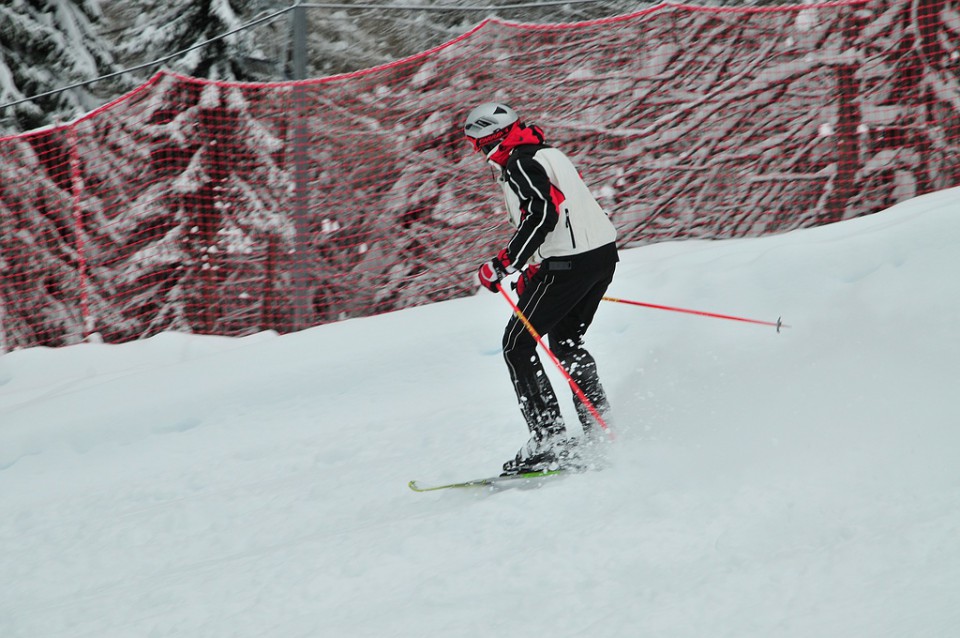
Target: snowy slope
pixel 797 484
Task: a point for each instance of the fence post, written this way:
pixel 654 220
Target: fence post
pixel 3 326
pixel 848 121
pixel 301 166
pixel 76 186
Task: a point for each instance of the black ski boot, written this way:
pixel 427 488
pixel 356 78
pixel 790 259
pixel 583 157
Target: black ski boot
pixel 544 455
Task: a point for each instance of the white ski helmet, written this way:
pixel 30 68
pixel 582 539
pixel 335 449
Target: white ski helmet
pixel 488 124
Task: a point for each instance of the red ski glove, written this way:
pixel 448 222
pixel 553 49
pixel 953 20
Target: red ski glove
pixel 525 277
pixel 491 272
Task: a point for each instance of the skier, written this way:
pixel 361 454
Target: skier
pixel 565 249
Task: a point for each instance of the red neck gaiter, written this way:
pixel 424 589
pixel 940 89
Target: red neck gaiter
pixel 518 136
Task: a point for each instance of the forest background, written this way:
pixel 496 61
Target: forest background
pixel 213 198
pixel 46 45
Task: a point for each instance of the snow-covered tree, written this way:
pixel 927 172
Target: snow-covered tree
pixel 161 28
pixel 910 80
pixel 40 274
pixel 46 45
pixel 686 122
pixel 199 244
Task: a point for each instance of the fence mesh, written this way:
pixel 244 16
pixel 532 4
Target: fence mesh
pixel 221 208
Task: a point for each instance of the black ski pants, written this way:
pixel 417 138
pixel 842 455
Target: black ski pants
pixel 560 302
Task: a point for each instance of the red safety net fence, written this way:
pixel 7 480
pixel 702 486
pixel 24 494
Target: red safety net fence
pixel 221 208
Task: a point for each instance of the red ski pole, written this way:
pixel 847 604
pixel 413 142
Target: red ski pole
pixel 566 375
pixel 778 323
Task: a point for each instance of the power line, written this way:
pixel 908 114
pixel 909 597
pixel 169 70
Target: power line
pixel 276 14
pixel 146 65
pixel 421 7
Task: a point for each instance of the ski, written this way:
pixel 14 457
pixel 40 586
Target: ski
pixel 491 481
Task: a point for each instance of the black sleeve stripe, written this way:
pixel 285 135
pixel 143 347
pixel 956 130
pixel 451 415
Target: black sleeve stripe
pixel 529 181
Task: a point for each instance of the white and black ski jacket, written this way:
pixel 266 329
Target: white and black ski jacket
pixel 554 213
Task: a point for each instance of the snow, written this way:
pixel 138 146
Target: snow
pixel 761 484
pixel 807 19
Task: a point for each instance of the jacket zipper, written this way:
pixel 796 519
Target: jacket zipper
pixel 573 239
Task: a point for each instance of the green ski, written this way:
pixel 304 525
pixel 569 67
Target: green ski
pixel 492 481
